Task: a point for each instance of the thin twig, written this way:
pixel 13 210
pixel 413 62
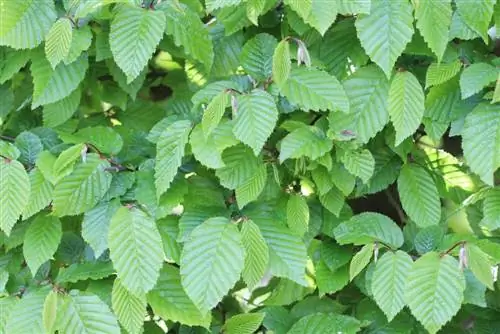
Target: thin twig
pixel 395 205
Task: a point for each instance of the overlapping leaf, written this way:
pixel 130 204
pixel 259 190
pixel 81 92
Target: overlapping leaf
pixel 256 254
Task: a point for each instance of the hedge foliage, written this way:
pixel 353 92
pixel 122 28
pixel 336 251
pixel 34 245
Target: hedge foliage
pixel 241 166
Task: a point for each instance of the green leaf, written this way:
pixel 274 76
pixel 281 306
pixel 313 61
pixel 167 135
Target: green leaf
pixel 313 89
pixel 389 280
pixel 169 231
pixel 205 149
pixel 242 168
pixel 282 63
pixel 83 312
pixel 297 213
pixel 343 179
pixel 24 25
pixel 83 188
pixel 481 141
pixel 475 77
pixel 211 262
pixel 14 193
pixel 57 113
pixel 134 35
pixel 65 162
pixel 50 305
pixel 80 42
pixel 30 146
pixel 212 5
pixel 480 264
pixel 256 254
pixel 317 13
pixel 368 91
pixel 307 141
pixel 40 194
pixel 329 281
pixel 84 271
pixel 41 241
pixel 169 153
pixel 105 138
pixel 385 31
pixel 474 290
pixel 333 201
pixel 419 195
pixel 256 118
pixel 58 41
pixel 438 73
pixel 360 260
pixel 214 112
pixel 52 85
pixel 287 252
pixel 491 210
pixel 460 29
pixel 442 103
pixel 368 227
pixel 334 256
pixel 188 31
pixel 477 15
pixel 27 315
pixel 325 323
pixel 169 300
pixel 433 21
pixel 359 163
pixel 406 104
pixel 434 290
pixel 243 323
pixel 354 6
pixel 251 188
pixel 135 247
pixel 257 56
pixel 130 309
pixel 255 8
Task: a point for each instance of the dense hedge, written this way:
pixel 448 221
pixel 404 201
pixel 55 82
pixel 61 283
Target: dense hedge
pixel 241 166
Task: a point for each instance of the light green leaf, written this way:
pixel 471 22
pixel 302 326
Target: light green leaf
pixel 329 281
pixel 419 195
pixel 130 309
pixel 307 141
pixel 477 15
pixel 83 188
pixel 188 31
pixel 316 90
pixel 58 41
pixel 287 252
pixel 205 149
pixel 325 323
pixel 481 141
pixel 359 163
pixel 105 138
pixel 385 31
pixel 83 312
pixel 169 231
pixel 13 61
pixel 41 241
pixel 333 200
pixel 135 247
pixel 64 164
pixel 256 254
pixel 243 323
pixel 211 262
pixel 84 271
pixel 169 153
pixel 251 188
pixel 169 300
pixel 491 210
pixel 317 13
pixel 282 63
pixel 52 85
pixel 347 7
pixel 59 112
pixel 460 29
pixel 24 25
pixel 212 5
pixel 433 21
pixel 255 8
pixel 214 112
pixel 14 193
pixel 135 33
pixel 40 194
pixel 480 264
pixel 389 281
pixel 27 315
pixel 6 306
pixel 434 290
pixel 80 42
pixel 322 179
pixel 256 118
pixel 360 260
pixel 442 103
pixel 474 290
pixel 406 105
pixel 343 179
pixel 368 92
pixel 476 77
pixel 241 168
pixel 440 73
pixel 257 56
pixel 297 214
pixel 50 305
pixel 368 227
